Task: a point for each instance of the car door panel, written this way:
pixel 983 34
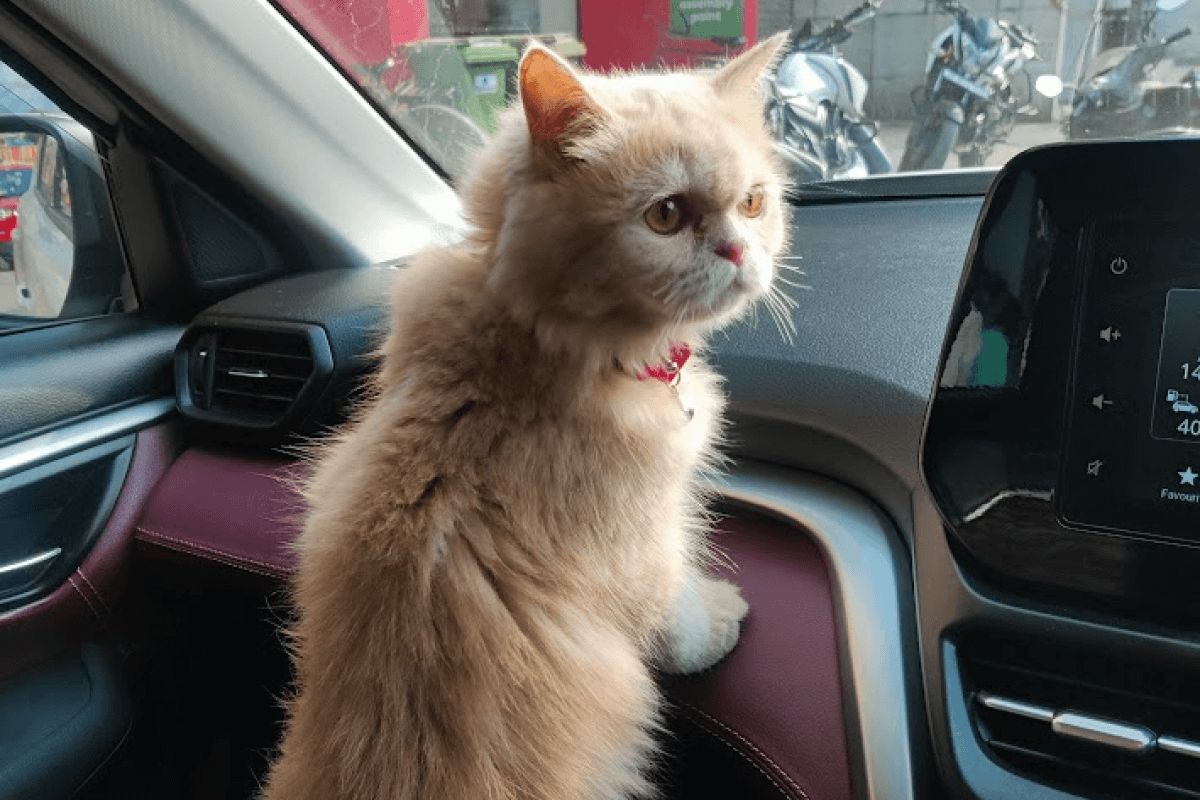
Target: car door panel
pixel 65 700
pixel 61 723
pixel 82 606
pixel 50 516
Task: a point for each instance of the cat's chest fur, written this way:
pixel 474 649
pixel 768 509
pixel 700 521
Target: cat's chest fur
pixel 681 419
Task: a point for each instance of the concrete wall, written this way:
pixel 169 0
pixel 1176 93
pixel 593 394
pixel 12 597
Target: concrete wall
pixel 891 49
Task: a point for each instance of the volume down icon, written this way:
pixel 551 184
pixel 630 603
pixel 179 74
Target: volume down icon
pixel 1100 401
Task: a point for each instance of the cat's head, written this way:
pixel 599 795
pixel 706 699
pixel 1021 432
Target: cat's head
pixel 635 208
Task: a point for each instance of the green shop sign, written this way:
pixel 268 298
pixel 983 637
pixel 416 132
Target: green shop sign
pixel 707 19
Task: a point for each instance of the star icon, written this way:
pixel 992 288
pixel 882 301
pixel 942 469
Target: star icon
pixel 1188 477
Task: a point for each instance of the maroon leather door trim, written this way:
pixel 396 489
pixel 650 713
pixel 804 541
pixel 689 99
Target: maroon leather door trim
pixel 778 696
pixel 231 508
pixel 84 606
pixel 776 699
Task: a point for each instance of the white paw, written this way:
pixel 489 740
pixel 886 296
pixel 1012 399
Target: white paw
pixel 727 608
pixel 706 625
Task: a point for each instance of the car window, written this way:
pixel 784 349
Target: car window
pixel 47 163
pixel 865 88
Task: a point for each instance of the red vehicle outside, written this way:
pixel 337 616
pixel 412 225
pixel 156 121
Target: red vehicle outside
pixel 14 182
pixel 16 176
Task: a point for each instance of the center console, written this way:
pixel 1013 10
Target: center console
pixel 1059 553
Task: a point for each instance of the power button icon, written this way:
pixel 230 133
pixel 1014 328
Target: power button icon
pixel 1119 266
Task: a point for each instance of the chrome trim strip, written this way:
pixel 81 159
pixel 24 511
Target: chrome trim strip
pixel 1121 735
pixel 32 561
pixel 248 373
pixel 1183 747
pixel 1040 713
pixel 867 568
pixel 72 438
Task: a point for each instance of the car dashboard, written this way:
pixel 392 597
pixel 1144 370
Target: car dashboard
pixel 998 481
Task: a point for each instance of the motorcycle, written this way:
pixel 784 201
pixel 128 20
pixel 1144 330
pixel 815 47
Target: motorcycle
pixel 815 106
pixel 1131 90
pixel 975 88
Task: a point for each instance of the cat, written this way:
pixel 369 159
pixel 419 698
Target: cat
pixel 508 538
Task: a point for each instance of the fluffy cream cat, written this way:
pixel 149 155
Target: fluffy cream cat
pixel 509 538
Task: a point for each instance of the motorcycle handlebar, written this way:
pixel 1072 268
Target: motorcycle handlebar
pixel 837 31
pixel 861 14
pixel 1175 37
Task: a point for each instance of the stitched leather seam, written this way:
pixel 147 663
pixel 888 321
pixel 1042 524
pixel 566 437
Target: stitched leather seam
pixel 229 559
pixel 213 554
pixel 778 769
pixel 99 597
pixel 90 593
pixel 81 593
pixel 737 751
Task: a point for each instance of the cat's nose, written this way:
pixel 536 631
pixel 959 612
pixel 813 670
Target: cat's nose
pixel 731 251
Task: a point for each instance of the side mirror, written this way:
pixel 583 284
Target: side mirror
pixel 59 255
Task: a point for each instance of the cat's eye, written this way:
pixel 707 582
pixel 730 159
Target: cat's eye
pixel 666 216
pixel 752 205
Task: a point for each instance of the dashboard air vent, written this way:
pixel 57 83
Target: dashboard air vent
pixel 260 372
pixel 1100 725
pixel 253 376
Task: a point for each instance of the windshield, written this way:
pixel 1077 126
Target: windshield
pixel 865 88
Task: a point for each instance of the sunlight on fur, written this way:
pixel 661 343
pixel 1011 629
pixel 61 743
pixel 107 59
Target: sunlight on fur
pixel 509 538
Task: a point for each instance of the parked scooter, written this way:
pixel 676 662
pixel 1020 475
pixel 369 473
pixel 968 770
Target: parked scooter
pixel 975 88
pixel 1136 90
pixel 815 106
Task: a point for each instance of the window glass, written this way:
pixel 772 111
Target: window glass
pixel 43 152
pixel 866 87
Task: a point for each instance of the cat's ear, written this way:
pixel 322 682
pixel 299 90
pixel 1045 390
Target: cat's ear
pixel 744 74
pixel 556 105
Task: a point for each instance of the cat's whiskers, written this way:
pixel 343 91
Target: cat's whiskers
pixel 780 306
pixel 777 316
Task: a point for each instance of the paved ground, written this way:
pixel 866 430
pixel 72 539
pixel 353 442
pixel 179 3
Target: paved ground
pixel 892 135
pixel 8 293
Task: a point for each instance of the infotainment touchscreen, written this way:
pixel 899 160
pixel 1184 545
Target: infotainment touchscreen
pixel 1132 453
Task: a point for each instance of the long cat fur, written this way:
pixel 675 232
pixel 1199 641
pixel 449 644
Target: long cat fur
pixel 509 537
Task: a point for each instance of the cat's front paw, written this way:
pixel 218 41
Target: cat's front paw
pixel 706 627
pixel 727 608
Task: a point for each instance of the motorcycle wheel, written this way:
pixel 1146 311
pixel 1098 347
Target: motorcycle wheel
pixel 928 145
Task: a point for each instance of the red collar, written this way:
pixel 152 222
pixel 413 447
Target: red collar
pixel 668 371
